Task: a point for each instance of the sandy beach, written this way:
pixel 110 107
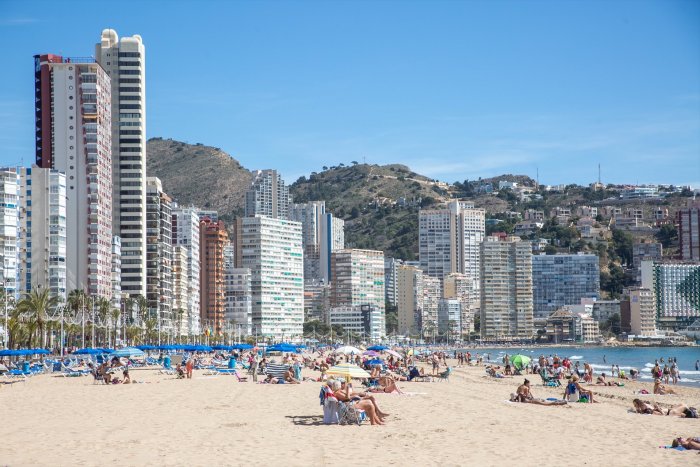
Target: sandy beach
pixel 218 421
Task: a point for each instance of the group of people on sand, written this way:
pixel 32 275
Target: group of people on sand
pixel 105 372
pixel 364 401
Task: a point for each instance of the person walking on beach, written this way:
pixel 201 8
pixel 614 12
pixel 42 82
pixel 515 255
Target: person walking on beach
pixel 697 365
pixel 604 360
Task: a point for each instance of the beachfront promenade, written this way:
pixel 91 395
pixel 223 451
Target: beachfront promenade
pixel 216 420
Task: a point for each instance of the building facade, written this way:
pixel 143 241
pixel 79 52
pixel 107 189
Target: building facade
pixel 688 221
pixel 675 286
pixel 459 286
pixel 212 240
pixel 124 61
pixel 409 298
pixel 432 293
pixel 10 233
pixel 267 196
pixel 450 317
pixel 560 280
pixel 642 312
pixel 449 240
pixel 322 234
pixel 73 126
pixel 238 296
pixel 362 320
pixel 159 254
pixel 272 250
pixel 506 289
pixel 186 235
pixel 358 279
pixel 181 298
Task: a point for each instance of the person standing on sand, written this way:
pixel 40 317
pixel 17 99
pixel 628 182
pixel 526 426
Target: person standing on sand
pixel 189 366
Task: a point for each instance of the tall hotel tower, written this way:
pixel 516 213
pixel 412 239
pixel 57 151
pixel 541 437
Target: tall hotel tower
pixel 125 62
pixel 73 135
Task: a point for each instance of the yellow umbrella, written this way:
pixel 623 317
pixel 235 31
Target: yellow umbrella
pixel 348 370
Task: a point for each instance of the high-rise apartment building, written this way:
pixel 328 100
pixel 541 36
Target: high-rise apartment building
pixel 317 301
pixel 688 220
pixel 506 289
pixel 124 61
pixel 73 110
pixel 450 317
pixel 212 240
pixel 449 240
pixel 358 279
pixel 186 235
pixel 159 254
pixel 238 312
pixel 9 233
pixel 559 280
pixel 267 196
pixel 408 284
pixel 181 297
pixel 642 312
pixel 676 289
pixel 322 233
pixel 272 250
pixel 460 286
pixel 432 294
pixel 391 291
pixel 116 272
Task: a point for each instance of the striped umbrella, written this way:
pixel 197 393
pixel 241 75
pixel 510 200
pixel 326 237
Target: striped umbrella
pixel 348 370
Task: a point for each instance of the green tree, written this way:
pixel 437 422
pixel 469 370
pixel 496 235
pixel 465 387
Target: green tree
pixel 667 235
pixel 622 244
pixel 392 318
pixel 36 304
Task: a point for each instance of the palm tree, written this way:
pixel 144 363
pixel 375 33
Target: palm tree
pixel 114 315
pixel 178 315
pixel 150 329
pixel 77 299
pixel 37 303
pixel 103 308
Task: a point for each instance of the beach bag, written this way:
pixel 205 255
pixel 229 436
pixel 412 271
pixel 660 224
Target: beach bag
pixel 691 412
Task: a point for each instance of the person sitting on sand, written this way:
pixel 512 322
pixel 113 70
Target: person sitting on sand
pixel 601 381
pixel 127 377
pixel 340 390
pixel 387 384
pixel 574 386
pixel 692 444
pixel 660 389
pixel 346 394
pixel 179 371
pixel 289 377
pixel 523 394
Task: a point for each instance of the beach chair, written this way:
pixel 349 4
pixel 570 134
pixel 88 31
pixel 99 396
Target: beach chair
pixel 276 370
pixel 71 372
pixel 445 375
pixel 549 380
pixel 349 414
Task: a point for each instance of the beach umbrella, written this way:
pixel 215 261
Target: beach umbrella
pixel 348 350
pixel 376 361
pixel 127 352
pixel 10 352
pixel 283 347
pixel 520 361
pixel 39 352
pixel 221 347
pixel 146 347
pixel 377 347
pixel 241 347
pixel 394 353
pixel 89 351
pixel 371 353
pixel 348 370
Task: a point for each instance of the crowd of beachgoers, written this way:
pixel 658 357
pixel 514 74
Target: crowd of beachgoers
pixel 350 377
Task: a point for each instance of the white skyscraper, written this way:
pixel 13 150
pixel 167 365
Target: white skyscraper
pixel 272 250
pixel 238 304
pixel 186 235
pixel 267 196
pixel 125 62
pixel 43 231
pixel 322 234
pixel 9 218
pixel 449 240
pixel 73 135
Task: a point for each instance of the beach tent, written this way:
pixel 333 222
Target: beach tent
pixel 378 347
pixel 127 352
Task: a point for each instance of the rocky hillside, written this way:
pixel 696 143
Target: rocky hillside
pixel 204 176
pixel 378 203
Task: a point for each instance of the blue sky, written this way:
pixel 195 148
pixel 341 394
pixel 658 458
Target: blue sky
pixel 453 89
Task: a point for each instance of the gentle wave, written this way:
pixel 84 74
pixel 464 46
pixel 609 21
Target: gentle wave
pixel 576 357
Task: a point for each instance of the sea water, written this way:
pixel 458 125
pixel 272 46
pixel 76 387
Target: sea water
pixel 601 359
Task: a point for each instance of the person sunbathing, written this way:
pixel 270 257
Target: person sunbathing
pixel 660 389
pixel 647 408
pixel 289 377
pixel 523 394
pixel 688 443
pixel 340 392
pixel 387 384
pixel 601 381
